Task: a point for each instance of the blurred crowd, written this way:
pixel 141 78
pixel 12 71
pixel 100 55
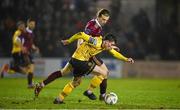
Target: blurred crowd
pixel 59 19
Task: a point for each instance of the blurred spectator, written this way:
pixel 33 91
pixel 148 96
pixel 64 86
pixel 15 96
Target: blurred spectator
pixel 59 19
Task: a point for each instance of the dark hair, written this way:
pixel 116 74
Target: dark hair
pixel 110 37
pixel 30 19
pixel 20 23
pixel 104 12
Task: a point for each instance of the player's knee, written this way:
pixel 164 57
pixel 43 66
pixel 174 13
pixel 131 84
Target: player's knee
pixel 24 70
pixel 30 70
pixel 76 82
pixel 62 72
pixel 104 67
pixel 105 75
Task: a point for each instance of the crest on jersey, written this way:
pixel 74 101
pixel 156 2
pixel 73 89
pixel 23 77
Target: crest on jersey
pixel 89 64
pixel 93 41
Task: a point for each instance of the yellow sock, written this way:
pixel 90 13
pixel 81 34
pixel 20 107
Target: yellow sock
pixel 96 81
pixel 66 91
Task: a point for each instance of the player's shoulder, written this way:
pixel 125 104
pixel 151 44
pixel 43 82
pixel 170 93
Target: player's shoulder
pixel 92 21
pixel 18 32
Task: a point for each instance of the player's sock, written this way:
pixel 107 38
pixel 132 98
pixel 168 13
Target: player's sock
pixel 66 91
pixel 96 81
pixel 103 87
pixel 29 78
pixel 52 77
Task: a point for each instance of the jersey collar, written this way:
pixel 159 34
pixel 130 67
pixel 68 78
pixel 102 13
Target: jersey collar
pixel 98 23
pixel 28 30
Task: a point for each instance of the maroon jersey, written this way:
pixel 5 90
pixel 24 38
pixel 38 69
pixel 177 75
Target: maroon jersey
pixel 28 39
pixel 93 28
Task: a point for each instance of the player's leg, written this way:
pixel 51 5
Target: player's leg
pixel 18 64
pixel 97 60
pixel 15 65
pixel 12 68
pixel 29 65
pixel 103 85
pixel 57 74
pixel 100 75
pixel 30 75
pixel 68 89
pixel 4 69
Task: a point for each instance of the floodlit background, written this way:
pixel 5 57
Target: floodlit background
pixel 147 30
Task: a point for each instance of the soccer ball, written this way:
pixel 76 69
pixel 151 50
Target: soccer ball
pixel 111 98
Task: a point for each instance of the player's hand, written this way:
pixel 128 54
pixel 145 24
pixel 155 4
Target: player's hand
pixel 37 50
pixel 65 42
pixel 130 60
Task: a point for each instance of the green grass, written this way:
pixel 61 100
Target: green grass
pixel 132 93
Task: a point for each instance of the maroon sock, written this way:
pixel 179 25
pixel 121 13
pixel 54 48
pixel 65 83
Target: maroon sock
pixel 52 77
pixel 103 86
pixel 29 78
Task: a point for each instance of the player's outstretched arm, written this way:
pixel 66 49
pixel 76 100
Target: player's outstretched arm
pixel 80 35
pixel 120 56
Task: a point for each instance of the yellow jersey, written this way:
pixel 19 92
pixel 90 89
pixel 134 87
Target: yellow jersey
pixel 17 43
pixel 86 50
pixel 91 47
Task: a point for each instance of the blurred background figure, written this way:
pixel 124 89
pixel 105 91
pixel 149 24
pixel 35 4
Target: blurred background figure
pixel 22 51
pixel 147 29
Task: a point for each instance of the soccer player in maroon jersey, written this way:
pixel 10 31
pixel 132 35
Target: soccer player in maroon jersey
pixel 30 46
pixel 94 28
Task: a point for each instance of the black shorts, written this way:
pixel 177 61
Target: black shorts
pixel 97 60
pixel 20 59
pixel 81 68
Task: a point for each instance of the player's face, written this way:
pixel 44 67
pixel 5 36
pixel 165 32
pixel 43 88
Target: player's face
pixel 32 25
pixel 107 44
pixel 103 19
pixel 22 27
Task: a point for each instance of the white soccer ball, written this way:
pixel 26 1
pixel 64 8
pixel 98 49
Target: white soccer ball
pixel 111 98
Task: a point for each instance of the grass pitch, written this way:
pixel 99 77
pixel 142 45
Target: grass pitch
pixel 132 93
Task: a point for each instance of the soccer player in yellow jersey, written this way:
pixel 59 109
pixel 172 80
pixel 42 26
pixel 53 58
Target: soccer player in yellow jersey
pixel 81 65
pixel 20 63
pixel 17 52
pixel 21 52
